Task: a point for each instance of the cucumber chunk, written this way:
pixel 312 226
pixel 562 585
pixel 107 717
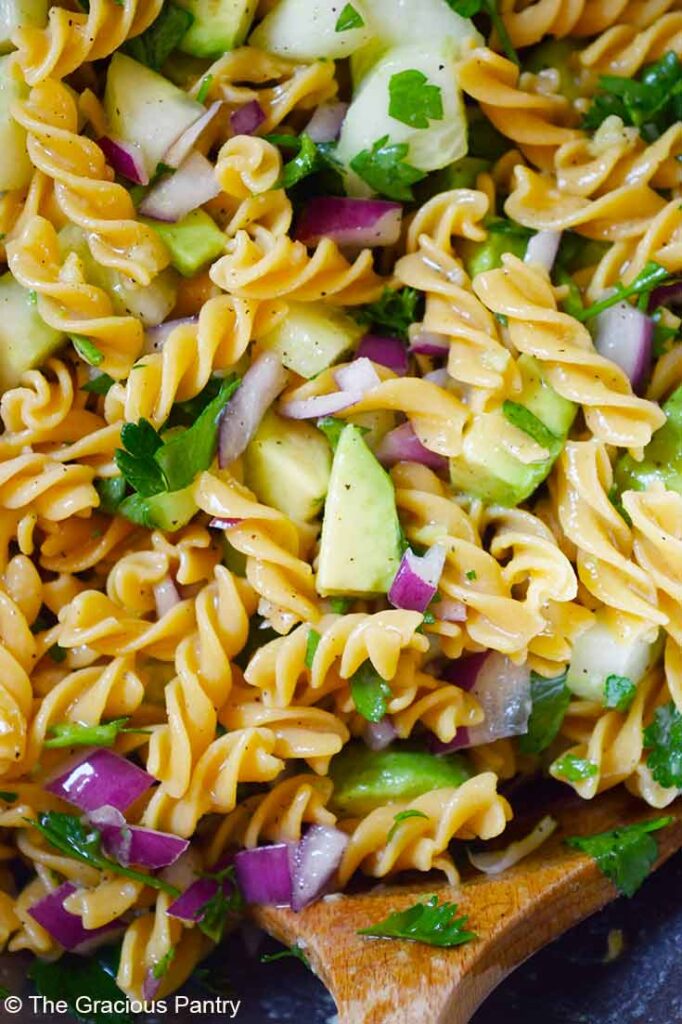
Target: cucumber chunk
pixel 25 339
pixel 313 336
pixel 16 14
pixel 192 241
pixel 307 29
pixel 600 652
pixel 16 169
pixel 218 26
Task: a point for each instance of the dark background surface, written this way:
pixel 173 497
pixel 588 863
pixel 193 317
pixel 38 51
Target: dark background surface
pixel 568 982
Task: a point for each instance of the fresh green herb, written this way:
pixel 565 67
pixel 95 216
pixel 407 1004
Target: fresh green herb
pixel 349 18
pixel 471 574
pixel 340 605
pixel 204 88
pixel 57 654
pixel 226 900
pixel 369 692
pixel 521 417
pixel 504 226
pixel 550 700
pixel 75 734
pixel 572 303
pixel 112 491
pixel 502 319
pixel 160 968
pixel 429 618
pixel 651 101
pixel 394 312
pixel 311 158
pixel 649 278
pixel 625 855
pixel 412 100
pixel 4 992
pixel 664 739
pixel 8 797
pixel 469 8
pixel 76 839
pixel 184 414
pixel 282 954
pixel 311 646
pixel 136 462
pixel 663 334
pixel 331 427
pixel 32 295
pixel 385 170
pixel 400 817
pixel 619 692
pixel 304 163
pixel 86 349
pixel 99 384
pixel 164 35
pixel 73 976
pixel 433 923
pixel 575 769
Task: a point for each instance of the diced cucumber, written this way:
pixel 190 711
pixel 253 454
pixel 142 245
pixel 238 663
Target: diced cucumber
pixel 192 242
pixel 16 14
pixel 481 256
pixel 600 652
pixel 25 339
pixel 313 336
pixel 287 465
pixel 307 29
pixel 169 511
pixel 15 165
pixel 146 109
pixel 368 119
pixel 218 26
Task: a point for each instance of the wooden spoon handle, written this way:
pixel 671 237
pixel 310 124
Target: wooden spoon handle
pixel 375 981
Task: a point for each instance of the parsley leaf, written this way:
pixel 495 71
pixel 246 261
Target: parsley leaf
pixel 136 463
pixel 574 769
pixel 400 817
pixel 294 951
pixel 331 427
pixel 57 653
pixel 663 334
pixel 204 88
pixel 99 384
pixel 521 417
pixel 75 734
pixel 76 839
pixel 664 738
pixel 226 900
pixel 471 574
pixel 369 692
pixel 349 18
pixel 160 968
pixel 469 8
pixel 95 976
pixel 412 100
pixel 384 169
pixel 648 278
pixel 8 797
pixel 651 101
pixel 550 699
pixel 625 855
pixel 86 349
pixel 433 923
pixel 340 605
pixel 619 692
pixel 156 43
pixel 311 646
pixel 311 158
pixel 393 313
pixel 112 491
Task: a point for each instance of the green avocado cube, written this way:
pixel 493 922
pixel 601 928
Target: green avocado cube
pixel 192 242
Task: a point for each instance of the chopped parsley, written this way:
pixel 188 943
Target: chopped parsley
pixel 619 692
pixel 160 968
pixel 651 101
pixel 310 158
pixel 57 654
pixel 74 976
pixel 164 35
pixel 340 605
pixel 469 8
pixel 369 691
pixel 625 855
pixel 331 427
pixel 282 954
pixel 99 384
pixel 226 900
pixel 112 491
pixel 550 700
pixel 400 817
pixel 664 740
pixel 471 574
pixel 521 417
pixel 412 100
pixel 349 18
pixel 648 278
pixel 8 797
pixel 75 734
pixel 393 313
pixel 432 923
pixel 574 768
pixel 86 349
pixel 204 88
pixel 312 643
pixel 385 169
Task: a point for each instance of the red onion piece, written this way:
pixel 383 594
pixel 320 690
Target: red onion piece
pixel 156 337
pixel 668 295
pixel 166 596
pixel 440 377
pixel 184 144
pixel 542 248
pixel 190 905
pixel 319 405
pixel 448 610
pixel 63 926
pixel 176 195
pixel 387 351
pixel 416 581
pixel 100 777
pixel 247 119
pixel 428 343
pixel 264 874
pixel 125 158
pixel 403 445
pixel 502 689
pixel 241 417
pixel 315 861
pixel 625 335
pixel 372 222
pixel 150 985
pixel 379 735
pixel 357 377
pixel 132 844
pixel 325 124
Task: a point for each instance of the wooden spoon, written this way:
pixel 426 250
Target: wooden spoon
pixel 376 981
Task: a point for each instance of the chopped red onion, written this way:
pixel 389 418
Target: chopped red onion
pixel 184 144
pixel 318 405
pixel 166 596
pixel 416 581
pixel 372 222
pixel 63 926
pixel 625 335
pixel 325 124
pixel 100 777
pixel 132 844
pixel 150 985
pixel 387 351
pixel 247 119
pixel 379 735
pixel 428 343
pixel 502 689
pixel 190 905
pixel 668 295
pixel 403 445
pixel 448 610
pixel 125 158
pixel 315 861
pixel 242 415
pixel 357 377
pixel 156 337
pixel 542 248
pixel 441 377
pixel 176 195
pixel 264 874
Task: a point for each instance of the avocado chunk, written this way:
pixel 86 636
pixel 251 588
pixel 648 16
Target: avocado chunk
pixel 192 242
pixel 360 547
pixel 312 337
pixel 503 236
pixel 287 465
pixel 365 779
pixel 25 339
pixel 600 652
pixel 16 14
pixel 486 469
pixel 15 165
pixel 168 511
pixel 218 26
pixel 461 174
pixel 662 462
